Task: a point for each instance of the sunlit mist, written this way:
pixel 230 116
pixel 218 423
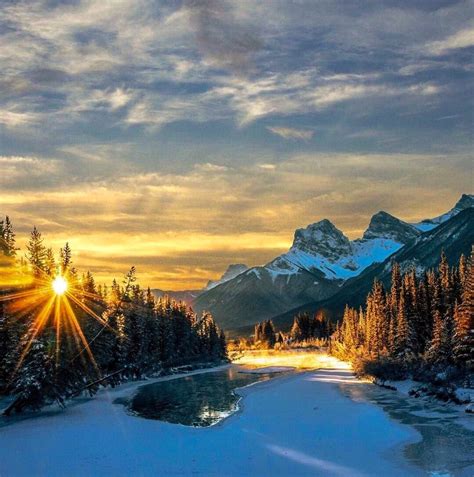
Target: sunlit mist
pixel 300 359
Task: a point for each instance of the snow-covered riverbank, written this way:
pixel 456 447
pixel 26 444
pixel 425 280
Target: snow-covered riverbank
pixel 302 425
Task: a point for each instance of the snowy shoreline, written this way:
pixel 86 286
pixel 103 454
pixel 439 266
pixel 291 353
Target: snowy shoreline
pixel 129 387
pixel 418 391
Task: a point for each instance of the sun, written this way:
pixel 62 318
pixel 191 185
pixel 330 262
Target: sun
pixel 59 285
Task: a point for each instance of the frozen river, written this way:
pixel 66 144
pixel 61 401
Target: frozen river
pixel 322 422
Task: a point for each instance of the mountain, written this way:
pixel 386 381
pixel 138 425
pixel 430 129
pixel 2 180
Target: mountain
pixel 186 296
pixel 232 271
pixel 455 236
pixel 320 259
pixel 466 201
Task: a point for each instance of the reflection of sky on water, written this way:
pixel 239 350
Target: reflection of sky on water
pixel 199 400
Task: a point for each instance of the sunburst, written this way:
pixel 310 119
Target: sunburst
pixel 51 300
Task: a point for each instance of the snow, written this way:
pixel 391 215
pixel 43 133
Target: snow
pixel 425 226
pixel 298 425
pixel 404 387
pixel 364 253
pixel 464 395
pixel 255 271
pixel 467 200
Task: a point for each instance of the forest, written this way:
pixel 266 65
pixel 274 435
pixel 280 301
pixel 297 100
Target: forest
pixel 423 327
pixel 62 334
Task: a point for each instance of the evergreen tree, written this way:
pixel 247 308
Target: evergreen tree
pixel 268 334
pixel 7 238
pixel 50 263
pixel 464 321
pixel 36 253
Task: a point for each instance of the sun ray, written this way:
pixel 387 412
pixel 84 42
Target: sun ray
pixel 27 293
pixel 87 310
pixel 35 329
pixel 57 321
pixel 50 300
pixel 72 317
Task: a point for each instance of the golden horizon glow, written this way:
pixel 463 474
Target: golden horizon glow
pixel 59 285
pixel 193 224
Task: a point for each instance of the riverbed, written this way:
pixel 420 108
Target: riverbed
pixel 321 423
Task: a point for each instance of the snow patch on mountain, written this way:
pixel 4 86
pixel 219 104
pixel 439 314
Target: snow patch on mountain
pixel 323 250
pixel 466 201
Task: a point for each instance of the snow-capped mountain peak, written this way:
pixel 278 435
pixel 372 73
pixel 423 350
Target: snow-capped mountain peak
pixel 321 248
pixel 321 238
pixel 232 271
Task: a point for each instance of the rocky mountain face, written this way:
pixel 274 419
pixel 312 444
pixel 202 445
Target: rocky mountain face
pixel 385 226
pixel 318 264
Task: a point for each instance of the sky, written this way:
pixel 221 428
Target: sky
pixel 182 136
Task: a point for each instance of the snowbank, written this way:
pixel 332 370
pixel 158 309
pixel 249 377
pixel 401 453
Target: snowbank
pixel 408 387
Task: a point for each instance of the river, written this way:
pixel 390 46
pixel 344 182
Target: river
pixel 320 423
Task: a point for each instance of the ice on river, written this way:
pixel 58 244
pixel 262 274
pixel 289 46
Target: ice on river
pixel 318 423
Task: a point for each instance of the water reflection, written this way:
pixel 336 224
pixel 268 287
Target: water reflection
pixel 446 448
pixel 197 400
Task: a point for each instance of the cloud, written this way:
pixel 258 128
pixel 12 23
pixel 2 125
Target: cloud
pixel 208 167
pixel 291 133
pixel 155 63
pixel 222 37
pixel 12 119
pixel 461 39
pixel 220 210
pixel 135 118
pixel 24 171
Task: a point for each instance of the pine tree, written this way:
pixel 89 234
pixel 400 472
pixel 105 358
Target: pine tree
pixel 34 384
pixel 395 289
pixel 464 321
pixel 50 263
pixel 7 238
pixel 268 334
pixel 447 298
pixel 406 338
pixel 36 253
pixel 66 259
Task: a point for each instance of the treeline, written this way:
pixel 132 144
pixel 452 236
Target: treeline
pixel 421 326
pixel 54 347
pixel 305 329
